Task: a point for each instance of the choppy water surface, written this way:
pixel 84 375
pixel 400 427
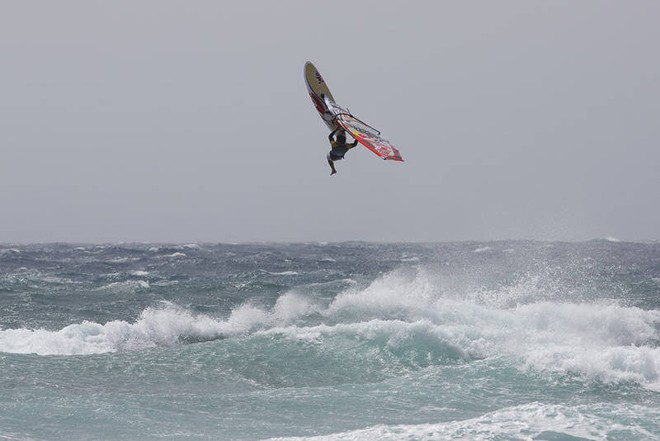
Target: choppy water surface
pixel 501 340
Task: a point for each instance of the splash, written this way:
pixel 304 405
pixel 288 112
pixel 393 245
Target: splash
pixel 413 314
pixel 166 325
pixel 155 327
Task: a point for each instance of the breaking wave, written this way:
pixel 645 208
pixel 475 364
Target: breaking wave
pixel 407 314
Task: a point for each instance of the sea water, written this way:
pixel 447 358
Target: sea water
pixel 351 341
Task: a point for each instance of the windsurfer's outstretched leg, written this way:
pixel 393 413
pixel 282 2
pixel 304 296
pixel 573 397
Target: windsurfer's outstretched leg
pixel 332 165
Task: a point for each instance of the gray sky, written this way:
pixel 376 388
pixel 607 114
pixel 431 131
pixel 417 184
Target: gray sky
pixel 190 121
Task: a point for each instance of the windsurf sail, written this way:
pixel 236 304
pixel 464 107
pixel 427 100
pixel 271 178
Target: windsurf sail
pixel 362 132
pixel 369 137
pixel 319 92
pixel 336 116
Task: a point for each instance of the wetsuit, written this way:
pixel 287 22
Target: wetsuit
pixel 339 148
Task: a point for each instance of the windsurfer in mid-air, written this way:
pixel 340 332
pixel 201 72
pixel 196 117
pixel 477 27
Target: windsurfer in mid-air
pixel 339 147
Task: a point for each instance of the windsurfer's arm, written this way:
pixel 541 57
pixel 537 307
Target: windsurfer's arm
pixel 332 134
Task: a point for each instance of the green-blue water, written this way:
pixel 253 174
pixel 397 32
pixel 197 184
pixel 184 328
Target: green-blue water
pixel 493 341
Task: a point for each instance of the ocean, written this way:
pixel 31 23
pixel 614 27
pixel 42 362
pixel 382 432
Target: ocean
pixel 510 340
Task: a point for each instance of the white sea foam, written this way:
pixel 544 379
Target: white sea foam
pixel 123 259
pixel 599 342
pixel 155 327
pixel 176 255
pixel 596 341
pixel 139 273
pixel 191 246
pixel 13 437
pixel 125 287
pixel 281 273
pixel 410 259
pixel 292 306
pixel 162 326
pixel 394 292
pixel 528 421
pixel 31 276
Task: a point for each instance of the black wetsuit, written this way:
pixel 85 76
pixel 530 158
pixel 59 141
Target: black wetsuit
pixel 339 148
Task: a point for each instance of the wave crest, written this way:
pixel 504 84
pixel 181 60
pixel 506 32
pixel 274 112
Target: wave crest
pixel 408 316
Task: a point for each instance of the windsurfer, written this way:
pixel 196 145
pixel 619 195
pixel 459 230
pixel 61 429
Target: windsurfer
pixel 339 148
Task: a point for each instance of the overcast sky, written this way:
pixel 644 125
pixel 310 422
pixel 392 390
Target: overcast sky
pixel 181 121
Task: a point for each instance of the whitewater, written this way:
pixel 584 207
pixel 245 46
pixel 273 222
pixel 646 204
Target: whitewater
pixel 510 340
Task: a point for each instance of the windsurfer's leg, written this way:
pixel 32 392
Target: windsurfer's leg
pixel 331 163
